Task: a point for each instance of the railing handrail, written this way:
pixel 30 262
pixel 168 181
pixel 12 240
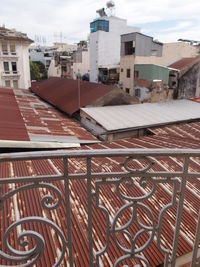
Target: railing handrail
pixel 98 153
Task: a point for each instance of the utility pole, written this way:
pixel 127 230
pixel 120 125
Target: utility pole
pixel 79 88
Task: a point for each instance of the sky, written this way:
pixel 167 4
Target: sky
pixel 48 21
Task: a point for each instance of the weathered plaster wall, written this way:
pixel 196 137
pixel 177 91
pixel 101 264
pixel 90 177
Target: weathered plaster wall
pixel 188 83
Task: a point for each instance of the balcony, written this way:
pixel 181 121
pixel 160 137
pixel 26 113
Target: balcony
pixel 111 207
pixel 8 55
pixel 14 74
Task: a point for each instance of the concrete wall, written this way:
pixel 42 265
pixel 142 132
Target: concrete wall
pixel 83 66
pixel 54 71
pixel 105 46
pixel 189 85
pixel 144 45
pixel 172 52
pixel 127 62
pixel 152 72
pixel 22 60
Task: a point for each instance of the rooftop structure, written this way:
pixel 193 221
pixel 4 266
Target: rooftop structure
pixel 133 46
pixel 105 42
pixel 14 59
pixel 188 77
pixel 115 122
pixel 25 117
pixel 65 94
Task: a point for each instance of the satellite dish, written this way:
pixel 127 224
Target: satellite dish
pixel 110 4
pixel 101 12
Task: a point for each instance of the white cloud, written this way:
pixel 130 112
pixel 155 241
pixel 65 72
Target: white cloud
pixel 72 17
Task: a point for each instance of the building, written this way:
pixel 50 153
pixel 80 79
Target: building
pixel 43 54
pixel 14 59
pixel 32 124
pixel 61 66
pixel 171 52
pixel 64 47
pixel 81 61
pixel 70 95
pixel 118 122
pixel 105 34
pixel 133 46
pixel 129 202
pixel 186 77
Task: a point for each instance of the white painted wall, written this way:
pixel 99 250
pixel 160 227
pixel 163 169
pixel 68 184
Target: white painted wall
pixel 23 67
pixel 84 66
pixel 54 71
pixel 105 46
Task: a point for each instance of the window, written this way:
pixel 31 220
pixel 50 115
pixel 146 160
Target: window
pixel 136 74
pixel 129 49
pixel 15 84
pixel 128 73
pixel 13 49
pixel 122 70
pixel 6 67
pixel 138 92
pixel 99 25
pixel 127 90
pixel 5 48
pixel 14 67
pixel 7 83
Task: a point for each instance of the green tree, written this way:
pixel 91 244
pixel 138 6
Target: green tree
pixel 35 71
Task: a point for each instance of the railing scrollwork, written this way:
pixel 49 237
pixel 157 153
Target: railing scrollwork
pixel 132 223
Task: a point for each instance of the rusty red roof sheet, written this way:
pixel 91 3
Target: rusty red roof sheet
pixel 63 93
pixel 24 117
pixel 11 122
pixel 43 119
pixel 187 132
pixel 29 202
pixel 185 63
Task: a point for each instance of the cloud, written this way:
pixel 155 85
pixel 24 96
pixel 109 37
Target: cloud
pixel 166 20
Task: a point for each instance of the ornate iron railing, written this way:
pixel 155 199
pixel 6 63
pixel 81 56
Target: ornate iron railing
pixel 134 176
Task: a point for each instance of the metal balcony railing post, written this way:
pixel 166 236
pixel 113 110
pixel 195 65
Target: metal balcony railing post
pixel 180 209
pixel 89 197
pixel 68 211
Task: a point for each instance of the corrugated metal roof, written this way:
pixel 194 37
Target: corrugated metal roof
pixel 25 117
pixel 11 122
pixel 63 93
pixel 43 120
pixel 29 203
pixel 184 63
pixel 114 118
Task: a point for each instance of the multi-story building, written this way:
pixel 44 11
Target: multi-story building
pixel 81 60
pixel 105 34
pixel 14 59
pixel 134 45
pixel 144 60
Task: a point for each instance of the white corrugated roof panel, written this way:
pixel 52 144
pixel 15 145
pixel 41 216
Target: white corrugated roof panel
pixel 144 115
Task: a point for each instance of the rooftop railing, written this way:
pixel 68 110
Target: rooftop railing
pixel 143 196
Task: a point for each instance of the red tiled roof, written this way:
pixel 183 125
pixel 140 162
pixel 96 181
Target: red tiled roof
pixel 184 63
pixel 29 202
pixel 63 93
pixel 11 122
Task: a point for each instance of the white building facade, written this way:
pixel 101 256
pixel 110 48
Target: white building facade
pixel 105 43
pixel 14 59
